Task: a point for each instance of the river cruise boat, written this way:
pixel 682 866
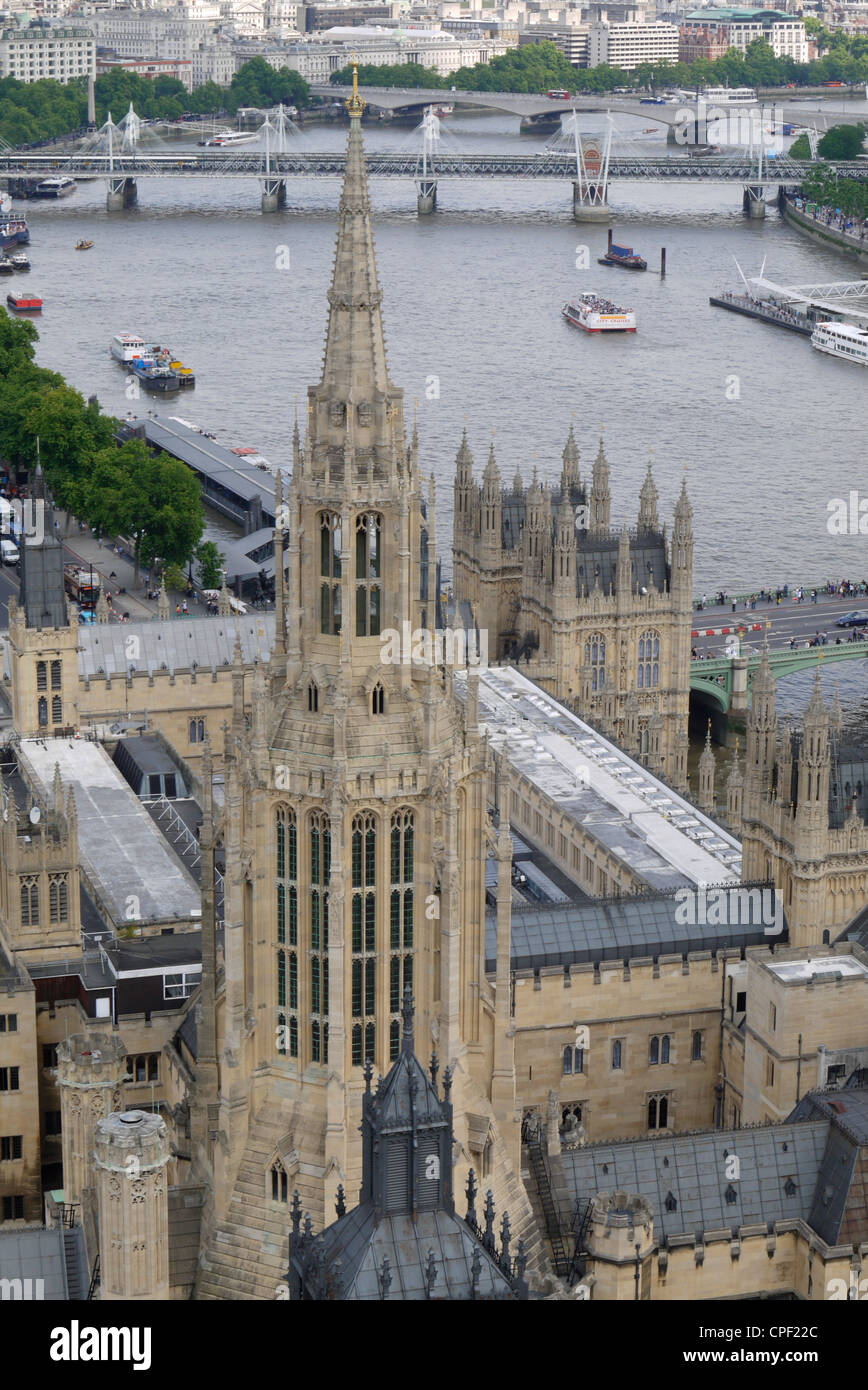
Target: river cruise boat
pixel 55 187
pixel 20 261
pixel 842 340
pixel 598 315
pixel 13 227
pixel 24 303
pixel 232 137
pixel 6 266
pixel 728 95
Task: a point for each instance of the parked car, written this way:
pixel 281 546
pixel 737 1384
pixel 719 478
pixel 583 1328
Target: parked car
pixel 858 618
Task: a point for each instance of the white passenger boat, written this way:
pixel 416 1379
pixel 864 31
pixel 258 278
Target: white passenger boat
pixel 842 340
pixel 126 347
pixel 598 315
pixel 233 137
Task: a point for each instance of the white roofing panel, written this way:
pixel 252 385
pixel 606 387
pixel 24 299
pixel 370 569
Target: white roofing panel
pixel 122 852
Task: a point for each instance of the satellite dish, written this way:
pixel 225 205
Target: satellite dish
pixel 35 815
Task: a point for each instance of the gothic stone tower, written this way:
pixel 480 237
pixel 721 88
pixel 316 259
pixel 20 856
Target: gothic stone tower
pixel 355 813
pixel 804 813
pixel 601 615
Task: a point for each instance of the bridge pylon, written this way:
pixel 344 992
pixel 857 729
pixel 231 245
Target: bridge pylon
pixel 426 181
pixel 591 184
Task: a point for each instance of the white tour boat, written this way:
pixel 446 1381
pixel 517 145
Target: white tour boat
pixel 233 137
pixel 126 347
pixel 598 315
pixel 841 340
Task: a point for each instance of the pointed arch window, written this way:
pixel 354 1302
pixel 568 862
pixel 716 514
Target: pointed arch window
pixel 58 898
pixel 378 699
pixel 41 675
pixel 30 901
pixel 595 660
pixel 42 712
pixel 363 991
pixel 320 871
pixel 279 1182
pixel 56 710
pixel 401 908
pixel 330 572
pixel 658 1112
pixel 313 698
pixel 368 574
pixel 286 865
pixel 649 660
pixel 56 670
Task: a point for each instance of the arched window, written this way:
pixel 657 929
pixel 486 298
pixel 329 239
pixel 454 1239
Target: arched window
pixel 658 1112
pixel 320 872
pixel 330 573
pixel 56 669
pixel 649 657
pixel 41 675
pixel 313 698
pixel 595 660
pixel 43 712
pixel 616 1056
pixel 697 1047
pixel 652 1113
pixel 286 865
pixel 368 574
pixel 394 1040
pixel 58 898
pixel 56 710
pixel 29 901
pixel 401 921
pixel 282 1033
pixel 197 730
pixel 568 1061
pixel 664 1048
pixel 378 700
pixel 279 1182
pixel 363 872
pixel 654 1052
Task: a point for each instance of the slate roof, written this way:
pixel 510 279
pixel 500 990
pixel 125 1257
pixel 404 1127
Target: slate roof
pixel 691 1167
pixel 559 934
pixel 363 1243
pixel 209 459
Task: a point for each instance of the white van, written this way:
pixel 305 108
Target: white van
pixel 8 551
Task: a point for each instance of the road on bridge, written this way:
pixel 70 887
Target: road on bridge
pixel 787 620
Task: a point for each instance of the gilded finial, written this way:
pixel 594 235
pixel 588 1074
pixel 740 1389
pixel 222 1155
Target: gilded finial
pixel 355 105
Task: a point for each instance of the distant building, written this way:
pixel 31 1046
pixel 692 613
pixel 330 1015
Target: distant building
pixel 700 42
pixel 180 68
pixel 39 52
pixel 737 28
pixel 627 45
pixel 189 33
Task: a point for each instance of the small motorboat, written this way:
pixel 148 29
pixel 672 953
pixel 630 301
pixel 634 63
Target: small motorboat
pixel 6 266
pixel 649 130
pixel 24 303
pixel 83 245
pixel 20 261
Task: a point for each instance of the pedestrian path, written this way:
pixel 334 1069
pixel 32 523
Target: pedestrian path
pixel 117 570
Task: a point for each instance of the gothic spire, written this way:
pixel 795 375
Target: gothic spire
pixel 355 379
pixel 570 473
pixel 648 520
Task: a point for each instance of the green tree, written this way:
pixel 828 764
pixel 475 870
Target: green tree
pixel 211 562
pixel 153 499
pixel 800 148
pixel 842 142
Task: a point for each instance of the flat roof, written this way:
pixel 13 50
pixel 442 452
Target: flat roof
pixel 794 970
pixel 122 852
pixel 654 830
pixel 218 462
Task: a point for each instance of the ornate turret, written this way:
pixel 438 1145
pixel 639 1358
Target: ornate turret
pixel 682 549
pixel 570 477
pixel 648 519
pixel 762 726
pixel 706 775
pixel 492 508
pixel 601 498
pixel 463 485
pixel 734 793
pixel 812 811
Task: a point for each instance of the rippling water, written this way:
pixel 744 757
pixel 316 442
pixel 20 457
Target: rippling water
pixel 768 429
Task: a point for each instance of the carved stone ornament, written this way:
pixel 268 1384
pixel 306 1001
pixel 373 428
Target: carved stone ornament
pixel 366 413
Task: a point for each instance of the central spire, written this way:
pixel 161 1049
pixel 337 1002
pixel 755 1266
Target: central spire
pixel 355 403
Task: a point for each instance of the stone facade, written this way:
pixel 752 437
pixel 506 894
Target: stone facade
pixel 601 616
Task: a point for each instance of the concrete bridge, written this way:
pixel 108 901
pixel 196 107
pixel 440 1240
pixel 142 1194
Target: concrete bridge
pixel 724 682
pixel 532 107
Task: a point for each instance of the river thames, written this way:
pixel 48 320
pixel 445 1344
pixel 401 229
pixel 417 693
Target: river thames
pixel 768 429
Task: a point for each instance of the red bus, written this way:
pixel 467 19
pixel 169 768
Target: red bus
pixel 556 94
